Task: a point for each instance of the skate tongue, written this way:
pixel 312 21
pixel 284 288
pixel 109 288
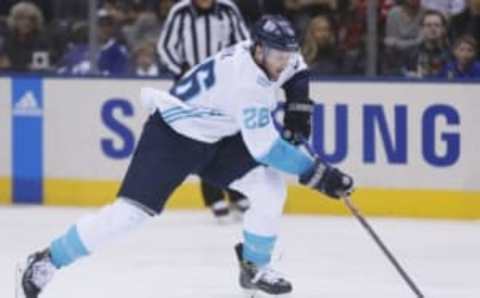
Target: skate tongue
pixel 267 274
pixel 42 272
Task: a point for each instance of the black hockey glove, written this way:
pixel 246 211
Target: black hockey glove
pixel 328 180
pixel 297 121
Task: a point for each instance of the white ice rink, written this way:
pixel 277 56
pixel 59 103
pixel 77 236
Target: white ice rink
pixel 184 254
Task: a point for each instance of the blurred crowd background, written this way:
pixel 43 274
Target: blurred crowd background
pixel 394 38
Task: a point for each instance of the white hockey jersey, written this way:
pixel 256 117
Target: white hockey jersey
pixel 227 94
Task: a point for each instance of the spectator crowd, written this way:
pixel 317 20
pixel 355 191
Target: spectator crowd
pixel 150 38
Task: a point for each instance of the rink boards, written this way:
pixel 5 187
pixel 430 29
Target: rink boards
pixel 410 146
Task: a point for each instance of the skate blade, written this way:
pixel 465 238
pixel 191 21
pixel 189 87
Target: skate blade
pixel 19 270
pixel 254 293
pixel 250 293
pixel 224 220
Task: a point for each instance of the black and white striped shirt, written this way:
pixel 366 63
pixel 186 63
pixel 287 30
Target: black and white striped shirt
pixel 189 35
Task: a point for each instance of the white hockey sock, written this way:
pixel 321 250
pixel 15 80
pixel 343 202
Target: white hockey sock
pixel 93 231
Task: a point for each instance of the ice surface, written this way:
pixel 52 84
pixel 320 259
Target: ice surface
pixel 185 254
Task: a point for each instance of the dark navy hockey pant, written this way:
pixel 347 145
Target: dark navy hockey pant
pixel 163 159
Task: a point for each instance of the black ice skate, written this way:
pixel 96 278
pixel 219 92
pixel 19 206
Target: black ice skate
pixel 241 205
pixel 264 279
pixel 238 208
pixel 221 212
pixel 33 275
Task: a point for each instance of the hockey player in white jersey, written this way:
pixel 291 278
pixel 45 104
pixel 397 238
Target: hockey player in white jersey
pixel 215 122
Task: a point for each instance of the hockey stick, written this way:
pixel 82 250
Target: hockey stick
pixel 356 213
pixel 348 202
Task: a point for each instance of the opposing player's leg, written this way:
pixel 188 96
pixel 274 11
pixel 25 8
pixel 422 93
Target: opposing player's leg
pixel 161 162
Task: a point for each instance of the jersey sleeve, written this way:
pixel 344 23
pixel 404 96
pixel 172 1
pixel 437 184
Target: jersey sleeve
pixel 167 42
pixel 264 142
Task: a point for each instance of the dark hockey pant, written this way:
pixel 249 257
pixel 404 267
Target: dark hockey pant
pixel 164 158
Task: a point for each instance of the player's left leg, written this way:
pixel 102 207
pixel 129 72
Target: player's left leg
pixel 162 160
pixel 80 240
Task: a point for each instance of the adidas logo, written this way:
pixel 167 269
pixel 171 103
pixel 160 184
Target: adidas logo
pixel 27 106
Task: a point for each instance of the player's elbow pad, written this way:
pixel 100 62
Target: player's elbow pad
pixel 287 158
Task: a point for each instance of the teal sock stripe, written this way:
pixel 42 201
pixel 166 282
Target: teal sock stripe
pixel 67 248
pixel 258 249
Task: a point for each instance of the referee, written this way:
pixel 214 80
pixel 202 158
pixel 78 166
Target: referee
pixel 195 30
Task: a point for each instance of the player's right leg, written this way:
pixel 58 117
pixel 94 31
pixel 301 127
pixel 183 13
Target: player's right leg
pixel 266 190
pixel 233 167
pixel 161 162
